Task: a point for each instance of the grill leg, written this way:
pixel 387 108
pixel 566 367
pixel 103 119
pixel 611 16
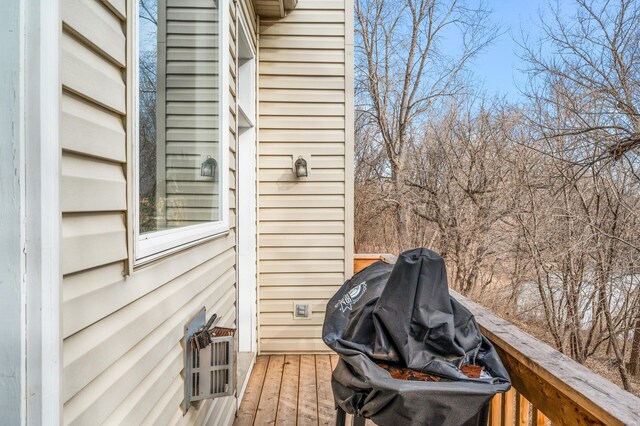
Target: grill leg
pixel 341 417
pixel 358 421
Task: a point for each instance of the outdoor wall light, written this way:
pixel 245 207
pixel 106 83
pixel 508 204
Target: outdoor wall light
pixel 300 167
pixel 209 168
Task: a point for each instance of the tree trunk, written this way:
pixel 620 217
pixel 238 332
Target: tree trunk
pixel 633 366
pixel 400 210
pixel 616 350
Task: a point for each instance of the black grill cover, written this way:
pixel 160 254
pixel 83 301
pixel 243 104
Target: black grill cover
pixel 403 315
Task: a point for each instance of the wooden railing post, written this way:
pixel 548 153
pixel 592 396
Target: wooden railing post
pixel 508 407
pixel 522 410
pixel 495 415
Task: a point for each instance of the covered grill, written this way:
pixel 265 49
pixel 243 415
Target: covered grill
pixel 409 353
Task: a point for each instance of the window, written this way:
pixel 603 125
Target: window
pixel 182 143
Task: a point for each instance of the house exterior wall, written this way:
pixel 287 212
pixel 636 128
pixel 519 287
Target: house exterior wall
pixel 305 226
pixel 122 326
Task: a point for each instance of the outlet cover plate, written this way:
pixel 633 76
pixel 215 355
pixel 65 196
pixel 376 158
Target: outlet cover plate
pixel 299 310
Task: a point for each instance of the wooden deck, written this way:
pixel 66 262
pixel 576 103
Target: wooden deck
pixel 289 390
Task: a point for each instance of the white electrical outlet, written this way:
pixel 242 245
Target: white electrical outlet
pixel 301 310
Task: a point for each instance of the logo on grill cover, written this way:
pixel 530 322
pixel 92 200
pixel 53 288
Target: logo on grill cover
pixel 352 297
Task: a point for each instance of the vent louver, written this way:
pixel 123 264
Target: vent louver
pixel 209 361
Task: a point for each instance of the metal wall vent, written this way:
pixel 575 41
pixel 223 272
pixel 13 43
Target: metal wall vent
pixel 209 360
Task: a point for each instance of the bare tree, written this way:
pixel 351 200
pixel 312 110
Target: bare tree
pixel 579 234
pixel 585 96
pixel 403 69
pixel 147 112
pixel 585 81
pixel 537 203
pixel 634 359
pixel 461 176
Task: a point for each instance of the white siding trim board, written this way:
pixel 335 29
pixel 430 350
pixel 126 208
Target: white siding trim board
pixel 349 151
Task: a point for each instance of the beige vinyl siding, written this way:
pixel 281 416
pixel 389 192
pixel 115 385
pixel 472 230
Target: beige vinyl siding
pixel 121 351
pixel 305 230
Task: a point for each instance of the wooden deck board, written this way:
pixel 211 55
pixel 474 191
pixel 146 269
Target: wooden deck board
pixel 268 405
pixel 307 393
pixel 288 400
pixel 247 411
pixel 326 406
pixel 289 390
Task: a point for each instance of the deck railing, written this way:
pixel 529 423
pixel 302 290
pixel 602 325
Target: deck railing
pixel 548 387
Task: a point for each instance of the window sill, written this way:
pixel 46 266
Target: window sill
pixel 162 256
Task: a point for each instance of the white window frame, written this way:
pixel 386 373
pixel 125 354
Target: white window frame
pixel 246 193
pixel 154 245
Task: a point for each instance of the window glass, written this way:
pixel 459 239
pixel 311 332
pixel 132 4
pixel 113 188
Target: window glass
pixel 179 145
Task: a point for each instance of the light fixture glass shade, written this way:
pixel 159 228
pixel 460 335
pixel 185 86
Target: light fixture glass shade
pixel 209 167
pixel 301 167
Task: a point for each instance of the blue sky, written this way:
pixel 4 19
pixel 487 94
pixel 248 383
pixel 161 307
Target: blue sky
pixel 498 67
